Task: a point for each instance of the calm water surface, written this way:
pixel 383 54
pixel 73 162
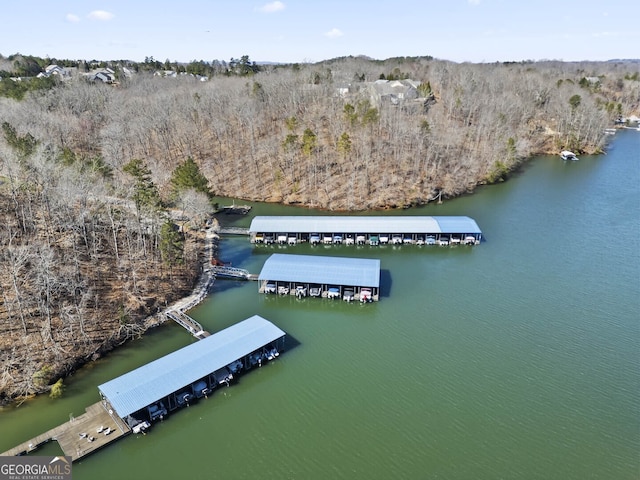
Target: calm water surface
pixel 516 359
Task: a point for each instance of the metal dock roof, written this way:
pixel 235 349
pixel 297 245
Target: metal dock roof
pixel 155 380
pixel 365 224
pixel 361 272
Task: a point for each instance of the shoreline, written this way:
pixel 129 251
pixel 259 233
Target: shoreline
pixel 198 294
pixel 204 283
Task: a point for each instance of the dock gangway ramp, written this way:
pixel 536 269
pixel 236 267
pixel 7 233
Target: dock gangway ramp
pixel 231 272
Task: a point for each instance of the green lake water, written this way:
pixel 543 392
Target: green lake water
pixel 515 359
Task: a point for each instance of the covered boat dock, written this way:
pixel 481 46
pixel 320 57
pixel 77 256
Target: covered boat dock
pixel 365 230
pixel 150 392
pixel 320 276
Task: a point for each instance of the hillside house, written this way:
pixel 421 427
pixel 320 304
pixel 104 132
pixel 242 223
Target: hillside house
pixel 393 91
pixel 53 70
pixel 106 76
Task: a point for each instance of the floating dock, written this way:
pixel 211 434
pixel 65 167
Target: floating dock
pixel 365 230
pixel 318 276
pixel 151 392
pixel 80 436
pixel 137 399
pixel 236 209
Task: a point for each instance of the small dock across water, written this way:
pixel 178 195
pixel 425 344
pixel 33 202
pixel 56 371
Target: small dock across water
pixel 236 209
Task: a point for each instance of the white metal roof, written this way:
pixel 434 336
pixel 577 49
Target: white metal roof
pixel 149 383
pixel 356 272
pixel 365 224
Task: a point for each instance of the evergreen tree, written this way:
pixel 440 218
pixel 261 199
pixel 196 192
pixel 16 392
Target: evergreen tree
pixel 188 175
pixel 575 101
pixel 145 192
pixel 24 145
pixel 344 144
pixel 171 244
pixel 309 142
pixel 290 142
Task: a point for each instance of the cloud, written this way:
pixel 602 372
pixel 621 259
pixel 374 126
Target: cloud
pixel 100 15
pixel 333 33
pixel 474 2
pixel 610 34
pixel 272 7
pixel 72 18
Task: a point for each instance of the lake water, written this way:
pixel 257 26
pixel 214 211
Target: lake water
pixel 515 359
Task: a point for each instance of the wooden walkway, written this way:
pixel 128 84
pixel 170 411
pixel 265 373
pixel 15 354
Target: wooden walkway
pixel 74 436
pixel 234 231
pixel 176 311
pixel 187 322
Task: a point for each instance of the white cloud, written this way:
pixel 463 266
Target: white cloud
pixel 272 7
pixel 100 15
pixel 474 2
pixel 72 18
pixel 610 34
pixel 333 33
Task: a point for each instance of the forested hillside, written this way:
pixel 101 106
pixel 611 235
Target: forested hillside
pixel 92 174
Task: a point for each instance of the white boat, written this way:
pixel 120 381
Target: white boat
pixel 315 291
pixel 283 290
pixel 567 155
pixel 443 241
pixel 141 427
pixel 366 295
pixel 333 292
pixel 470 240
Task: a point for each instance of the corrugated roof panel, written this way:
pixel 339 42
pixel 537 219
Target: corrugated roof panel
pixel 149 383
pixel 458 225
pixel 361 272
pixel 363 224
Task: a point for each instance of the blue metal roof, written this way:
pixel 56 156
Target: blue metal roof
pixel 457 225
pixel 365 224
pixel 356 272
pixel 155 380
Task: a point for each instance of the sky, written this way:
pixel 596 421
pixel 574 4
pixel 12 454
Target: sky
pixel 308 31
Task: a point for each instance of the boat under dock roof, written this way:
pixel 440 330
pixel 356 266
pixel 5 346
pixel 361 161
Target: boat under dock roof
pixel 149 383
